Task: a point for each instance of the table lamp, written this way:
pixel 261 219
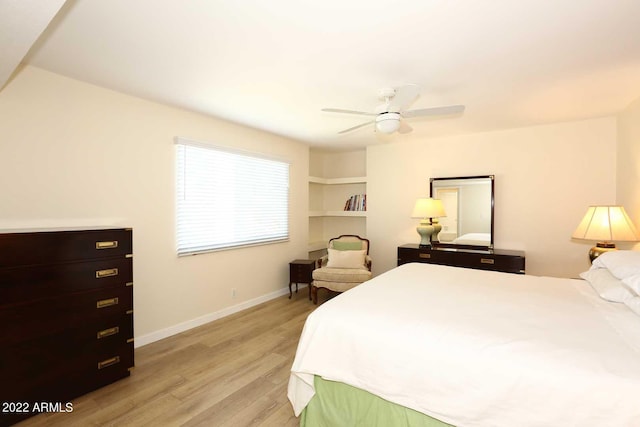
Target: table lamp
pixel 428 209
pixel 605 224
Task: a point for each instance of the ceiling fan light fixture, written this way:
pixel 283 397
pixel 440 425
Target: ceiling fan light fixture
pixel 388 122
pixel 391 116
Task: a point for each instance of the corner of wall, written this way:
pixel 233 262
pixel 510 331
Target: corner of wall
pixel 628 161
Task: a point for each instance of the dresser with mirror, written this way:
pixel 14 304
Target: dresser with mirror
pixel 466 238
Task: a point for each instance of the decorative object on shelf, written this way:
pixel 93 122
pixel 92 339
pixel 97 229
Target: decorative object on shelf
pixel 605 225
pixel 428 209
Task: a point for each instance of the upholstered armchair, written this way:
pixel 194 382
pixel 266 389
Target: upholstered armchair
pixel 346 265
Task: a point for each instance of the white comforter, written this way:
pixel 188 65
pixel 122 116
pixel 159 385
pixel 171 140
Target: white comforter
pixel 478 348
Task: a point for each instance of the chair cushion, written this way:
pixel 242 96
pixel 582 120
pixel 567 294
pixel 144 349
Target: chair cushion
pixel 345 259
pixel 346 275
pixel 346 246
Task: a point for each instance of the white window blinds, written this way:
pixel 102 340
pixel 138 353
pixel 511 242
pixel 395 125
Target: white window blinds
pixel 227 199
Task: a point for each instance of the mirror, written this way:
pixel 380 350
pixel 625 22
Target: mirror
pixel 468 204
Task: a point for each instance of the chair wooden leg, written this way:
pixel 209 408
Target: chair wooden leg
pixel 314 294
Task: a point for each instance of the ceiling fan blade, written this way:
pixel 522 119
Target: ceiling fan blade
pixel 404 127
pixel 338 110
pixel 404 96
pixel 357 127
pixel 435 111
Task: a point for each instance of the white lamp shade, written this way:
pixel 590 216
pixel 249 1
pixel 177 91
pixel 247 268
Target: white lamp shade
pixel 426 207
pixel 606 223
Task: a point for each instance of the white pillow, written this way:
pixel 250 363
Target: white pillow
pixel 621 264
pixel 346 259
pixel 633 282
pixel 606 285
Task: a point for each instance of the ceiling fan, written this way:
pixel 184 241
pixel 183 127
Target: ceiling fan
pixel 389 117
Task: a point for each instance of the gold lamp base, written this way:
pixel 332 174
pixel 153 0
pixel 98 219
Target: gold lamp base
pixel 600 248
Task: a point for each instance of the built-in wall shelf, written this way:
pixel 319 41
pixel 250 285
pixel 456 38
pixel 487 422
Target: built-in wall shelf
pixel 338 181
pixel 329 196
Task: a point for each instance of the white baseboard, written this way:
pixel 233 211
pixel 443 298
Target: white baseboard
pixel 199 321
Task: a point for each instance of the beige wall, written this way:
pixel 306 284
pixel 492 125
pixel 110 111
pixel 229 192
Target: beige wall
pixel 628 173
pixel 337 164
pixel 76 154
pixel 546 176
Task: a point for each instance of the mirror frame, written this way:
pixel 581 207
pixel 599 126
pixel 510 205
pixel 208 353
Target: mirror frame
pixel 462 246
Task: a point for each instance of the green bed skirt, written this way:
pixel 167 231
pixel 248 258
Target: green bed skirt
pixel 337 404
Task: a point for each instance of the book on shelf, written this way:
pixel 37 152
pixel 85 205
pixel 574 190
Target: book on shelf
pixel 357 202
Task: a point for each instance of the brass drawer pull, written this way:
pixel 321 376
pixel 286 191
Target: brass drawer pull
pixel 487 261
pixel 106 273
pixel 129 312
pixel 108 362
pixel 427 256
pixel 108 332
pixel 107 245
pixel 107 302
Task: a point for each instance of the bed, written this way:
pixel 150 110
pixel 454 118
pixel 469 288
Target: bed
pixel 432 345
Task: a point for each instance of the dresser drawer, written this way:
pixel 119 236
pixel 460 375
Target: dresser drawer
pixel 68 348
pixel 508 261
pixel 300 271
pixel 509 264
pixel 86 369
pixel 425 255
pixel 23 322
pixel 63 382
pixel 62 246
pixel 24 284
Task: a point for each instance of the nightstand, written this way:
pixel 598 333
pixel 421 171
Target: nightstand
pixel 300 271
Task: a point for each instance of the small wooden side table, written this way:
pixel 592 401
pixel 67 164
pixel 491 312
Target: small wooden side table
pixel 300 271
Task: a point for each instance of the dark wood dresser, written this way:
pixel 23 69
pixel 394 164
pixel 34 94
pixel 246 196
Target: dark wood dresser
pixel 66 316
pixel 507 261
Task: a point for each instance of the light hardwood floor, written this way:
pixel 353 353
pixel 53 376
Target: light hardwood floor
pixel 231 372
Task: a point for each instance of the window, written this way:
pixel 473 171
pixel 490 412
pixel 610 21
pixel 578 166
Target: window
pixel 228 198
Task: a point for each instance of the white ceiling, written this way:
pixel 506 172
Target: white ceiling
pixel 21 23
pixel 274 65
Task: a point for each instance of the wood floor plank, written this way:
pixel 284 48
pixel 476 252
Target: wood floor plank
pixel 257 411
pixel 231 372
